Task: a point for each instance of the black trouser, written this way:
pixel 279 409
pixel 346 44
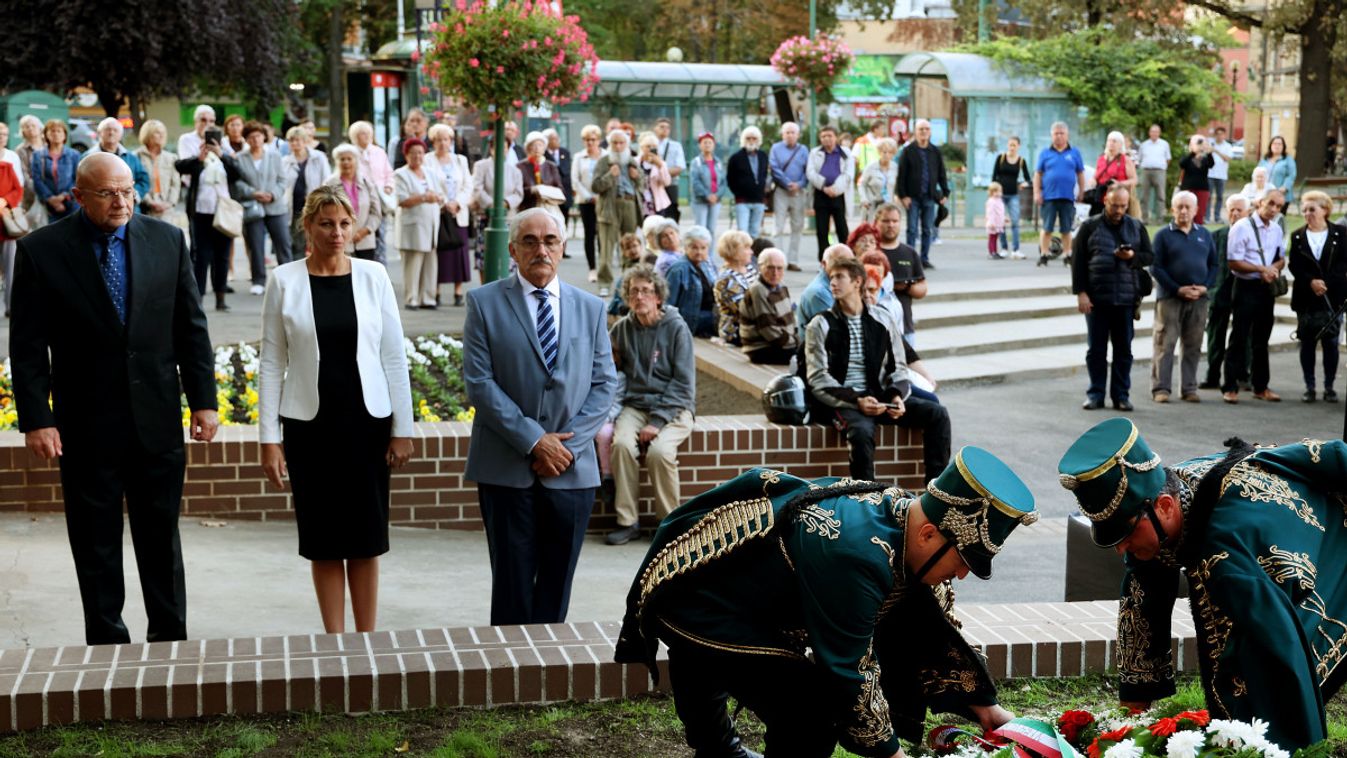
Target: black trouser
pixel 210 252
pixel 533 536
pixel 96 477
pixel 1108 324
pixel 1328 339
pixel 782 692
pixel 1251 323
pixel 672 210
pixel 590 221
pixel 1218 321
pixel 773 355
pixel 826 208
pixel 930 417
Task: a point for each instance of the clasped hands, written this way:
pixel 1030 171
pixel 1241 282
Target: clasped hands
pixel 550 456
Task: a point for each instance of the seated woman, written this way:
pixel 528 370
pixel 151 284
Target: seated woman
pixel 335 426
pixel 736 250
pixel 691 284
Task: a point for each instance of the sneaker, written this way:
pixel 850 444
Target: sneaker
pixel 603 292
pixel 1330 396
pixel 623 534
pixel 593 276
pixel 1123 405
pixel 257 289
pixel 1160 397
pixel 1308 397
pixel 1017 255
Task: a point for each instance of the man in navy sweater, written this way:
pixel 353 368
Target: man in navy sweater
pixel 1185 268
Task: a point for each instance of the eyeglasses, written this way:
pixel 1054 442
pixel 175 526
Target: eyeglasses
pixel 636 292
pixel 128 194
pixel 551 242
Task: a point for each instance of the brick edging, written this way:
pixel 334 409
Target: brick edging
pixel 466 666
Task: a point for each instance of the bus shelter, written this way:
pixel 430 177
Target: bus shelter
pixel 987 104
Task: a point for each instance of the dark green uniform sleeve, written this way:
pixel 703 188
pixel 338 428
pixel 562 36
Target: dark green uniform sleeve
pixel 928 664
pixel 841 593
pixel 1145 609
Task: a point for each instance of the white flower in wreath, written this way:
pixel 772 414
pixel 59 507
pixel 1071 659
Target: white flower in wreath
pixel 1185 744
pixel 1272 751
pixel 1232 734
pixel 1126 749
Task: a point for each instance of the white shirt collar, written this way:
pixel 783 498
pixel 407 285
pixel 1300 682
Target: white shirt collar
pixel 553 287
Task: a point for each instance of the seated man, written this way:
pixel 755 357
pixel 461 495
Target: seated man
pixel 1260 534
pixel 855 365
pixel 653 351
pixel 767 315
pixel 743 580
pixel 818 296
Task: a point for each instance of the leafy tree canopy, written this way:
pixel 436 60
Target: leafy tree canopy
pixel 1123 87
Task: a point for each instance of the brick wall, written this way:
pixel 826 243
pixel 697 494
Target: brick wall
pixel 224 478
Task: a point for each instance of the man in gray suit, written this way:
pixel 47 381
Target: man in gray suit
pixel 539 370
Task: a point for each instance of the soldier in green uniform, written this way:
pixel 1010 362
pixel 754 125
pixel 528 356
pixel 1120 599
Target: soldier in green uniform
pixel 1260 534
pixel 823 606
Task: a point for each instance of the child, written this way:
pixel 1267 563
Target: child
pixel 996 219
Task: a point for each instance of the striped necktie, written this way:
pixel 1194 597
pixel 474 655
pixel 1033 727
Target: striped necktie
pixel 547 330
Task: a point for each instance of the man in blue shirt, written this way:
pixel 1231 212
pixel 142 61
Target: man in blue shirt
pixel 818 295
pixel 788 160
pixel 1185 268
pixel 1059 179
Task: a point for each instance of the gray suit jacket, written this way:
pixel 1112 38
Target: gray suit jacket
pixel 517 401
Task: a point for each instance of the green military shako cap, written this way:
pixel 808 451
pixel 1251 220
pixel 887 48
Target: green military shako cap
pixel 976 502
pixel 1113 473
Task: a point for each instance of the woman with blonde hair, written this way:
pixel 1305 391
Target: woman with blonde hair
pixel 161 201
pixel 879 181
pixel 305 171
pixel 54 171
pixel 1317 258
pixel 335 426
pixel 735 248
pixel 582 180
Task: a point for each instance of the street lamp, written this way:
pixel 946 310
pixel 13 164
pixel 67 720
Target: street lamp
pixel 1234 92
pixel 813 95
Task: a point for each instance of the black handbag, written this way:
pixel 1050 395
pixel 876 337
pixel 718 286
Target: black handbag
pixel 1320 323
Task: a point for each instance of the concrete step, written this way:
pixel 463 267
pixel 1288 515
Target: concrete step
pixel 997 366
pixel 1003 311
pixel 983 338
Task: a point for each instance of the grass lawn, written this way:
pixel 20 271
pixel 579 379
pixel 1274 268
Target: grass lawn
pixel 644 726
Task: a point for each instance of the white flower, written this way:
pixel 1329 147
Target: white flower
pixel 1125 749
pixel 1184 744
pixel 1231 734
pixel 1272 751
pixel 1259 727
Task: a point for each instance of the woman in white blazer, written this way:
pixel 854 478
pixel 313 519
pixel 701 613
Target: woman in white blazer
pixel 335 426
pixel 364 197
pixel 483 183
pixel 420 193
pixel 453 255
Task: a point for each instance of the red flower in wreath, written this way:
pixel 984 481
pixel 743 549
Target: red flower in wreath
pixel 1200 718
pixel 1164 727
pixel 1071 722
pixel 1117 735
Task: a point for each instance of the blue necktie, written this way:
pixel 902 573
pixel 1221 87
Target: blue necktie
pixel 547 330
pixel 114 276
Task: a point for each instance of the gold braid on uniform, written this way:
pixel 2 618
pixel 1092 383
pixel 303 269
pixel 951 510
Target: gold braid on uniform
pixel 1071 483
pixel 718 532
pixel 970 528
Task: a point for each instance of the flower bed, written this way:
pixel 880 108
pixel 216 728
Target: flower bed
pixel 1166 731
pixel 435 364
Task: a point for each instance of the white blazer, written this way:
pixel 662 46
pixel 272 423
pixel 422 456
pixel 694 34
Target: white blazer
pixel 288 382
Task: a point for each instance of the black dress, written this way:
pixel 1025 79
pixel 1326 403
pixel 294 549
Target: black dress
pixel 338 471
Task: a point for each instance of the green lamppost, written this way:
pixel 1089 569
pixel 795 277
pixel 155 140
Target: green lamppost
pixel 497 230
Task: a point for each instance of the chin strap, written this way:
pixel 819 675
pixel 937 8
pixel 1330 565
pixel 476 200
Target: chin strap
pixel 934 559
pixel 1160 532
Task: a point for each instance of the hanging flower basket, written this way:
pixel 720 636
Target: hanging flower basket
pixel 512 54
pixel 812 64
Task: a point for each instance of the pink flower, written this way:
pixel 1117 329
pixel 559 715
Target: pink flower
pixel 416 55
pixel 425 90
pixel 500 69
pixel 474 62
pixel 505 34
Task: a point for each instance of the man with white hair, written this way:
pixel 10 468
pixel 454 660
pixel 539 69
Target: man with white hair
pixel 618 186
pixel 190 143
pixel 789 161
pixel 1185 269
pixel 1222 294
pixel 746 173
pixel 110 141
pixel 818 296
pixel 1153 159
pixel 767 316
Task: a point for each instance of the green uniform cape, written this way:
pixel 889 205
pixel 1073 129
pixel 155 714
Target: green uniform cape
pixel 726 575
pixel 1263 545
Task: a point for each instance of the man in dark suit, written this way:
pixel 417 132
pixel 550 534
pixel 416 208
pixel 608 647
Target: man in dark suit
pixel 106 320
pixel 539 369
pixel 562 157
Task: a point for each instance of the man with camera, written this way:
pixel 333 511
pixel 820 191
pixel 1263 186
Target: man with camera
pixel 1185 268
pixel 1193 168
pixel 1106 261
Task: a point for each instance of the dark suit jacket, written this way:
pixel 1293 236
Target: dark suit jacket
pixel 100 372
pixel 909 172
pixel 744 185
pixel 563 162
pixel 551 175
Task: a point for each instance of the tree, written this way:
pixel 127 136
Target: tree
pixel 130 52
pixel 324 28
pixel 1155 82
